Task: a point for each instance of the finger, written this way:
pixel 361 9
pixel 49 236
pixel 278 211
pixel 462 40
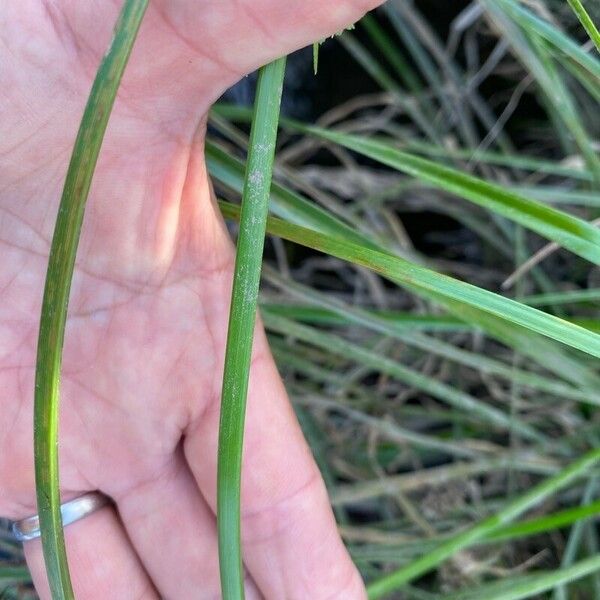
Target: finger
pixel 101 560
pixel 192 51
pixel 219 42
pixel 174 533
pixel 291 544
pixel 239 36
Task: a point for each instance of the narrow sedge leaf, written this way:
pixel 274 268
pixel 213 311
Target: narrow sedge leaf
pixel 56 294
pixel 514 509
pixel 403 272
pixel 242 316
pixel 390 50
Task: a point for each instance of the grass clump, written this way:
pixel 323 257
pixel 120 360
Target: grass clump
pixel 444 206
pixel 431 295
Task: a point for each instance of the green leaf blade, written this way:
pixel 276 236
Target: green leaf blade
pixel 257 188
pixel 586 21
pixel 57 289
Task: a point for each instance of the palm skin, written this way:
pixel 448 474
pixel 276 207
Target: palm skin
pixel 149 305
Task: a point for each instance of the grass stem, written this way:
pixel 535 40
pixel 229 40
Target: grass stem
pixel 57 289
pixel 253 221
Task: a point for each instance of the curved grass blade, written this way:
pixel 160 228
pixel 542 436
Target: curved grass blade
pixel 557 520
pixel 586 21
pixel 56 294
pixel 536 347
pixel 573 233
pixel 402 272
pixel 570 232
pixel 398 579
pixel 242 318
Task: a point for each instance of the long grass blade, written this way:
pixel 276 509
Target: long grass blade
pixel 586 21
pixel 403 272
pixel 399 321
pixel 546 523
pixel 569 297
pixel 242 318
pixel 57 289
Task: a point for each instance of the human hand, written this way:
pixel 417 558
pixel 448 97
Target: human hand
pixel 149 306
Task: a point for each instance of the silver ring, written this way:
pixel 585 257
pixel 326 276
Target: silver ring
pixel 29 528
